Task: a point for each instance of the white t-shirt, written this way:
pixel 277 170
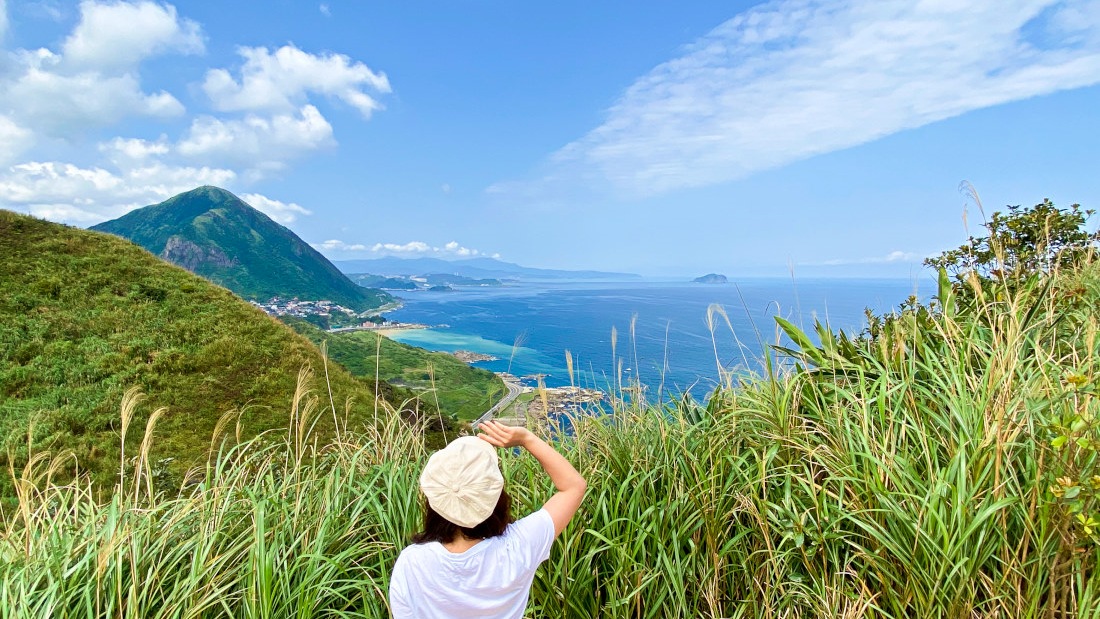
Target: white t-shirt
pixel 490 579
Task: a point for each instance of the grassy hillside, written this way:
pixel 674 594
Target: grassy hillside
pixel 945 467
pixel 84 316
pixel 462 390
pixel 213 233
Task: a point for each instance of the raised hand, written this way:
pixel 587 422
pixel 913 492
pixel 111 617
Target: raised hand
pixel 567 480
pixel 500 435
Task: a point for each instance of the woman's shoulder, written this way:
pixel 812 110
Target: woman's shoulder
pixel 417 552
pixel 534 532
pixel 538 522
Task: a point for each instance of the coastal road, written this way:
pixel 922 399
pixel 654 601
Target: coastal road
pixel 514 389
pixel 345 329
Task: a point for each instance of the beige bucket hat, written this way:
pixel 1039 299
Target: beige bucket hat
pixel 462 481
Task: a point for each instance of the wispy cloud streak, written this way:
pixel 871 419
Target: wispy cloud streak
pixel 795 78
pixel 896 256
pixel 411 249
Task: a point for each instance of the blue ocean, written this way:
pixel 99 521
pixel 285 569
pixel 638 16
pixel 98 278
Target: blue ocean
pixel 661 332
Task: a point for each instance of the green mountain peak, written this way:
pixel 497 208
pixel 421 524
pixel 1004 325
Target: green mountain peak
pixel 215 234
pixel 86 316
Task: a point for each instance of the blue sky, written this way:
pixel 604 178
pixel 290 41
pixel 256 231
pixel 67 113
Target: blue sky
pixel 660 138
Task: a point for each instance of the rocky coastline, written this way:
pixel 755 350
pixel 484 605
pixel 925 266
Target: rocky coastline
pixel 470 356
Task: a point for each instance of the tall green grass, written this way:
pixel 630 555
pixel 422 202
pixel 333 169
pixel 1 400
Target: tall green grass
pixel 84 316
pixel 944 468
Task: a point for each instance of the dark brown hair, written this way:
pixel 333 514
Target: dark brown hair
pixel 439 529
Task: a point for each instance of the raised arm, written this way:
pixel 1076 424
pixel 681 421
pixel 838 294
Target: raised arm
pixel 569 483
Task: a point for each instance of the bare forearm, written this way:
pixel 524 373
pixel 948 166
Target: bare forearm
pixel 571 486
pixel 561 472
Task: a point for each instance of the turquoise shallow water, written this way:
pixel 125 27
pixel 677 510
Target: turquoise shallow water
pixel 530 326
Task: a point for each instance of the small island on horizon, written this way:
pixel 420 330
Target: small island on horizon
pixel 711 278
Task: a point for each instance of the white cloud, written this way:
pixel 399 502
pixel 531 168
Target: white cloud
pixel 794 78
pixel 124 151
pixel 338 245
pixel 73 194
pixel 282 80
pixel 119 35
pixel 13 140
pixel 93 80
pixel 325 10
pixel 257 142
pixel 894 257
pixel 457 250
pixel 43 96
pixel 281 212
pixel 901 256
pixel 412 247
pixel 450 250
pixel 52 181
pixel 69 214
pixel 58 99
pixel 162 180
pixel 85 195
